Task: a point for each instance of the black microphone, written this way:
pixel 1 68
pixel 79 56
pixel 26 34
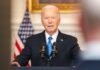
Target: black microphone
pixel 54 50
pixel 42 50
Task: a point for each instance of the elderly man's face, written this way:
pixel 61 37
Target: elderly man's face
pixel 50 20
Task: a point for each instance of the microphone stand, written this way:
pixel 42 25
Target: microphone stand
pixel 53 54
pixel 42 51
pixel 54 50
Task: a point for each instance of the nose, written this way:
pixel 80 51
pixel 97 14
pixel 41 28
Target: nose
pixel 50 20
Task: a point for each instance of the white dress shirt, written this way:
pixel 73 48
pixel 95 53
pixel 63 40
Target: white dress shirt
pixel 54 37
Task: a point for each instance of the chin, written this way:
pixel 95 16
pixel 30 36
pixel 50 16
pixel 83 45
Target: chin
pixel 50 31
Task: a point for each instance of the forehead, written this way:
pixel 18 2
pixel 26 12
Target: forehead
pixel 50 14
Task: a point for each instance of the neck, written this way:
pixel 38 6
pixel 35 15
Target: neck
pixel 51 33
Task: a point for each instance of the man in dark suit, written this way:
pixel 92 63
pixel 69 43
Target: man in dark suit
pixel 51 47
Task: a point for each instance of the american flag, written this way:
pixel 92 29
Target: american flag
pixel 25 30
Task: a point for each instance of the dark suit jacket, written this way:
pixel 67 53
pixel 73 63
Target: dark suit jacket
pixel 67 48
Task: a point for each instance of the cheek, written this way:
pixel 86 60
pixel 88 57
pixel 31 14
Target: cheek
pixel 44 23
pixel 56 23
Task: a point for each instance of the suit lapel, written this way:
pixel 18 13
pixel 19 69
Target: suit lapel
pixel 43 40
pixel 59 40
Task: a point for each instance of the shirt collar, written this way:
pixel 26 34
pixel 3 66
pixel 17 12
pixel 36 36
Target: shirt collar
pixel 54 36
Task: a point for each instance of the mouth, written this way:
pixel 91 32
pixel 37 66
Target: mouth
pixel 50 26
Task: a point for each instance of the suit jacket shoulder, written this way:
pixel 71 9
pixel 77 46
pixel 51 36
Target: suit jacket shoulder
pixel 68 37
pixel 36 36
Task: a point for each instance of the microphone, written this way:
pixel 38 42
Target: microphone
pixel 54 50
pixel 42 50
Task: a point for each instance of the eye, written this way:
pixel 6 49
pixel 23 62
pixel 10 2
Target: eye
pixel 53 17
pixel 45 17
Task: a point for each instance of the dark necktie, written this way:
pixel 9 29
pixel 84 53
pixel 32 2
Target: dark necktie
pixel 49 46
